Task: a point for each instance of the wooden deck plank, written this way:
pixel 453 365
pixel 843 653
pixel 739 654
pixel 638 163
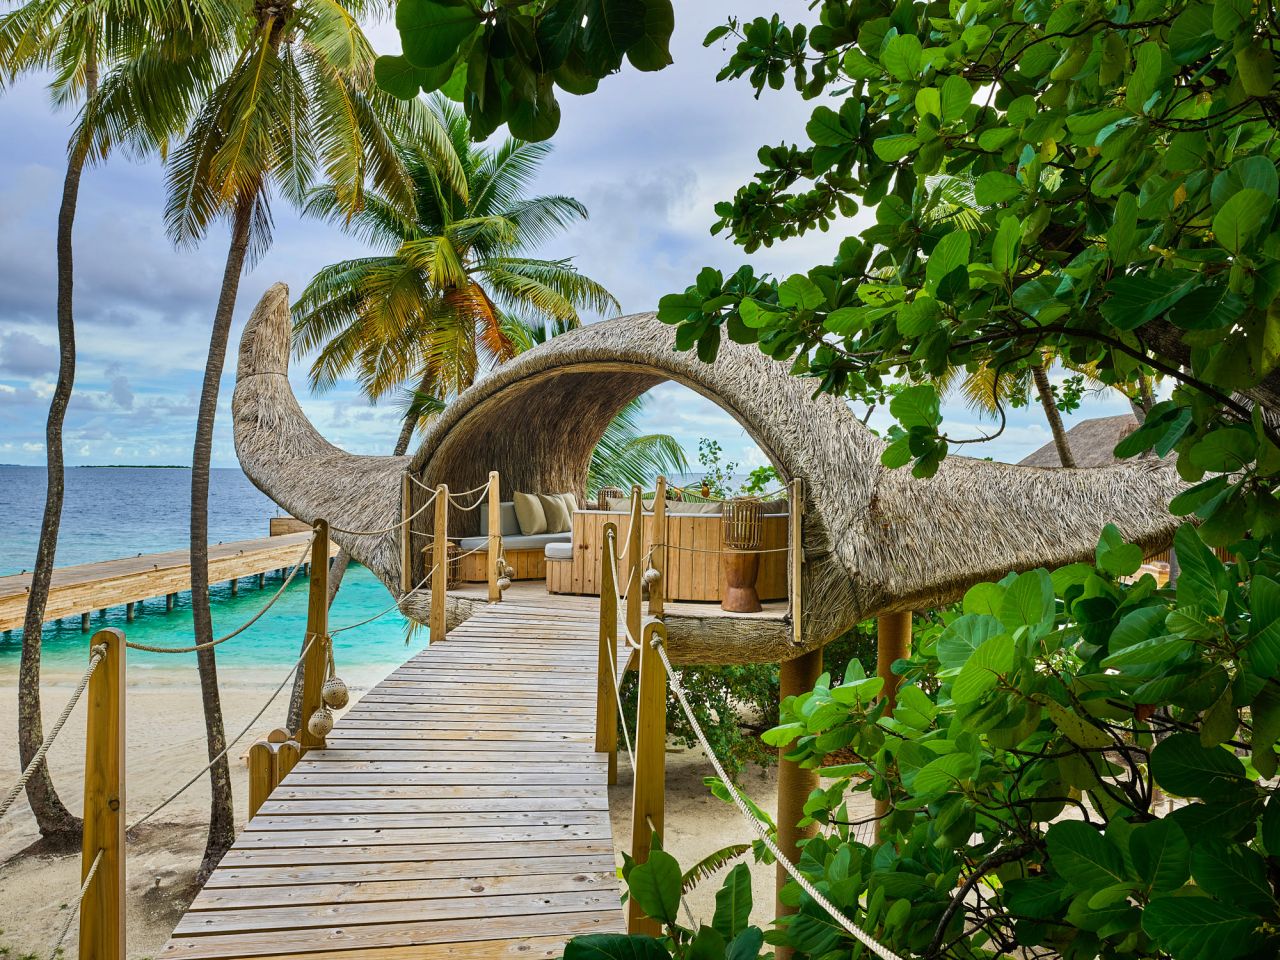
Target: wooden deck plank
pixel 459 809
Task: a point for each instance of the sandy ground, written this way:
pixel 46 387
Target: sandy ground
pixel 166 745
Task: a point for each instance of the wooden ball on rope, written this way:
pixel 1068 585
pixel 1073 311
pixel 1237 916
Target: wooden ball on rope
pixel 508 571
pixel 321 723
pixel 504 582
pixel 652 576
pixel 334 693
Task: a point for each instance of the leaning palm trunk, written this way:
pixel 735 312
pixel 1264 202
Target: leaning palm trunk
pixel 222 810
pixel 1051 414
pixel 55 821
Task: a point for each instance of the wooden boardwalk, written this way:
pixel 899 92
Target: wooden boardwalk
pixel 459 809
pixel 110 583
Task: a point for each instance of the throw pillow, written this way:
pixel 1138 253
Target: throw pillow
pixel 529 513
pixel 557 516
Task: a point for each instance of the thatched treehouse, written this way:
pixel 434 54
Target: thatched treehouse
pixel 875 540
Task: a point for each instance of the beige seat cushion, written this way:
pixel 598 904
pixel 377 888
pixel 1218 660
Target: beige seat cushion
pixel 554 510
pixel 530 514
pixel 570 503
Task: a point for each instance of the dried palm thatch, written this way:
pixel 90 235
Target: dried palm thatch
pixel 1092 443
pixel 875 540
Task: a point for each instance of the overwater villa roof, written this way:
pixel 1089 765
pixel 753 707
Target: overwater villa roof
pixel 1092 443
pixel 875 540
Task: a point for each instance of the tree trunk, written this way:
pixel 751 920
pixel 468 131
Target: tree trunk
pixel 337 570
pixel 1043 388
pixel 55 821
pixel 221 811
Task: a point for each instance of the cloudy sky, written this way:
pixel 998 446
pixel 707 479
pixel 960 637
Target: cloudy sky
pixel 649 154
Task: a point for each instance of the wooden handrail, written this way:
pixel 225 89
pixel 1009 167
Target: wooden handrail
pixel 648 795
pixel 102 911
pixel 658 551
pixel 635 547
pixel 494 506
pixel 795 516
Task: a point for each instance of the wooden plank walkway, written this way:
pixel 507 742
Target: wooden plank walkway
pixel 109 583
pixel 459 809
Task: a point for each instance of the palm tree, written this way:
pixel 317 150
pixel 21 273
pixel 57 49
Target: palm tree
pixel 450 290
pixel 450 285
pixel 76 42
pixel 290 91
pixel 626 456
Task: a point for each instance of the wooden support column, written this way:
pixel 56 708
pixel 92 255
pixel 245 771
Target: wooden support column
pixel 84 623
pixel 795 572
pixel 606 702
pixel 795 676
pixel 169 600
pixel 235 586
pixel 128 613
pixel 893 642
pixel 406 535
pixel 102 913
pixel 494 508
pixel 440 564
pixel 316 665
pixel 648 794
pixel 658 543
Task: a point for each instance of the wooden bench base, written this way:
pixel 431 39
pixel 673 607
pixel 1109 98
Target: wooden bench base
pixel 528 564
pixel 560 576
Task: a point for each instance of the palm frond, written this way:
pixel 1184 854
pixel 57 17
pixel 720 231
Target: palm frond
pixel 707 867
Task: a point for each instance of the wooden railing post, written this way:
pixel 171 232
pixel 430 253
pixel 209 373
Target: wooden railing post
pixel 440 564
pixel 795 540
pixel 606 702
pixel 635 547
pixel 658 549
pixel 262 775
pixel 649 791
pixel 495 535
pixel 315 666
pixel 102 912
pixel 406 536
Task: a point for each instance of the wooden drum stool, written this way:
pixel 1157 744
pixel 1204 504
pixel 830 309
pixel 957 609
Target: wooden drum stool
pixel 742 533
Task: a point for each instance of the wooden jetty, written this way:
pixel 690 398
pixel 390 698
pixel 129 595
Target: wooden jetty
pixel 459 809
pixel 80 589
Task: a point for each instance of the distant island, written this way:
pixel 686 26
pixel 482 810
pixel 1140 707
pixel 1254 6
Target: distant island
pixel 133 466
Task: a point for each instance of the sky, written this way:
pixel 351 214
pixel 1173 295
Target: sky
pixel 648 153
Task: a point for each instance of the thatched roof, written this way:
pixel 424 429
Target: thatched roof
pixel 1091 442
pixel 875 540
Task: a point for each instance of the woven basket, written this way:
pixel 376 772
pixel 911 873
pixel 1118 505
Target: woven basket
pixel 742 524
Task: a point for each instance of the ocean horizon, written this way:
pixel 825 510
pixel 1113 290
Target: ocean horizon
pixel 112 512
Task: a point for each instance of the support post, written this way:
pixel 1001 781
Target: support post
pixel 406 536
pixel 795 676
pixel 606 702
pixel 128 613
pixel 635 547
pixel 795 540
pixel 658 549
pixel 84 623
pixel 262 774
pixel 440 563
pixel 316 664
pixel 893 642
pixel 649 791
pixel 494 508
pixel 235 586
pixel 169 599
pixel 262 580
pixel 102 913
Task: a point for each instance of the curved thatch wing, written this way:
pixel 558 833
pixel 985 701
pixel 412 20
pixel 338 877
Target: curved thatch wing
pixel 875 540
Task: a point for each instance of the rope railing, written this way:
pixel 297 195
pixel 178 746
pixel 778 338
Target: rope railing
pixel 95 658
pixel 234 740
pixel 395 526
pixel 208 644
pixel 622 714
pixel 677 688
pixel 334 631
pixel 74 908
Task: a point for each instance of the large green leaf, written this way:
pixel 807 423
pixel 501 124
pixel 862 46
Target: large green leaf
pixel 615 946
pixel 916 406
pixel 1185 768
pixel 655 886
pixel 950 253
pixel 1233 873
pixel 1264 627
pixel 1240 218
pixel 1028 601
pixel 1085 858
pixel 431 31
pixel 653 50
pixel 1136 299
pixel 733 902
pixel 963 636
pixel 991 660
pixel 1197 928
pixel 1161 855
pixel 942 774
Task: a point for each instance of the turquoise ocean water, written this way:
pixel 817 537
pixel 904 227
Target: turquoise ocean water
pixel 122 511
